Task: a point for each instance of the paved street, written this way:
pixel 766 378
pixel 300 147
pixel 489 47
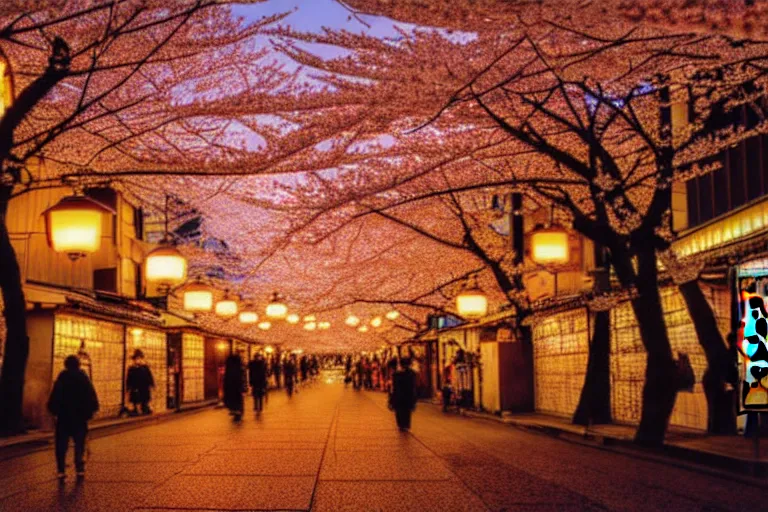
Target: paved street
pixel 330 449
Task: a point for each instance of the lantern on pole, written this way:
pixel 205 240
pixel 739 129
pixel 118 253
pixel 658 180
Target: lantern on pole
pixel 73 225
pixel 198 297
pixel 549 246
pixel 276 308
pixel 472 302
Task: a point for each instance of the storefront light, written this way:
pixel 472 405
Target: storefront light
pixel 73 225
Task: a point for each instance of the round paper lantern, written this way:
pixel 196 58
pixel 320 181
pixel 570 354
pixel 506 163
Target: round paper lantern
pixel 73 226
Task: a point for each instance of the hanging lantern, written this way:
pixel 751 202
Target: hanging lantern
pixel 363 328
pixel 310 318
pixel 549 246
pixel 393 315
pixel 198 297
pixel 324 325
pixel 265 325
pixel 310 326
pixel 472 302
pixel 268 349
pixel 276 308
pixel 293 318
pixel 165 267
pixel 376 321
pixel 248 317
pixel 352 321
pixel 227 307
pixel 73 225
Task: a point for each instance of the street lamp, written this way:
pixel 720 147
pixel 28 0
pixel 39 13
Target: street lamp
pixel 276 308
pixel 73 225
pixel 165 266
pixel 248 317
pixel 198 297
pixel 472 302
pixel 549 246
pixel 227 307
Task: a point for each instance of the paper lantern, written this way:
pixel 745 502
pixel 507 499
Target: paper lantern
pixel 165 267
pixel 73 226
pixel 276 308
pixel 352 321
pixel 248 317
pixel 293 318
pixel 549 246
pixel 227 307
pixel 198 297
pixel 472 302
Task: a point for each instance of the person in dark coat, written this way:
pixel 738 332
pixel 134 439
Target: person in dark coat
pixel 139 383
pixel 277 368
pixel 403 397
pixel 73 402
pixel 257 377
pixel 304 368
pixel 234 381
pixel 289 374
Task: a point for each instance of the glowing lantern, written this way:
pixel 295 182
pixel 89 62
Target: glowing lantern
pixel 310 318
pixel 248 317
pixel 222 346
pixel 393 315
pixel 276 308
pixel 363 328
pixel 198 297
pixel 73 225
pixel 165 267
pixel 265 325
pixel 376 321
pixel 293 318
pixel 227 307
pixel 472 302
pixel 268 349
pixel 550 246
pixel 324 325
pixel 352 321
pixel 310 326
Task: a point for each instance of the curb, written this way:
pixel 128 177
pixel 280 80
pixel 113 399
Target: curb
pixel 735 468
pixel 12 447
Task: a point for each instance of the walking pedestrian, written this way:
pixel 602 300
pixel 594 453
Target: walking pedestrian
pixel 289 374
pixel 73 402
pixel 277 367
pixel 139 383
pixel 447 386
pixel 234 381
pixel 403 396
pixel 257 376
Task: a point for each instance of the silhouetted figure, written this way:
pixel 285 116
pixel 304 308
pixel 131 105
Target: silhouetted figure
pixel 368 376
pixel 359 373
pixel 304 368
pixel 73 401
pixel 403 397
pixel 233 385
pixel 289 373
pixel 139 383
pixel 257 376
pixel 277 369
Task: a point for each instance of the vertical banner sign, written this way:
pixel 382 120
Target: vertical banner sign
pixel 753 347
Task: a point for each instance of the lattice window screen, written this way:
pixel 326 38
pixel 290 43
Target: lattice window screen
pixel 192 363
pixel 153 344
pixel 628 357
pixel 560 353
pixel 104 343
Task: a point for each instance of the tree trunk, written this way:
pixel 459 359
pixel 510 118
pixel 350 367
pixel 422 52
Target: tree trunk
pixel 17 341
pixel 660 387
pixel 595 401
pixel 721 413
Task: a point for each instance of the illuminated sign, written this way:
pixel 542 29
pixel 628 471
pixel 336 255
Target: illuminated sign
pixel 753 347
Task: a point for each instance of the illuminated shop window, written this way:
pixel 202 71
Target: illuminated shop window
pixel 100 346
pixel 192 363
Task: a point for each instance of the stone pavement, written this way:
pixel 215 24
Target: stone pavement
pixel 333 449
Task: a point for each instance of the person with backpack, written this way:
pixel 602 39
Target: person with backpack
pixel 73 402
